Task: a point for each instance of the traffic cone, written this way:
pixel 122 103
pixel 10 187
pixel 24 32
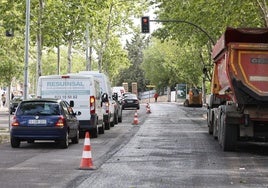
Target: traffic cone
pixel 86 161
pixel 148 109
pixel 135 121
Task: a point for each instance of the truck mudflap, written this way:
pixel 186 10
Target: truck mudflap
pixel 233 117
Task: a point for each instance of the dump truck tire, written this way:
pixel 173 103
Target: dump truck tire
pixel 229 134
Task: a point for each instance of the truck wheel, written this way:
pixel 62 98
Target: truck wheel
pixel 101 129
pixel 215 128
pixel 210 123
pixel 229 135
pixel 186 103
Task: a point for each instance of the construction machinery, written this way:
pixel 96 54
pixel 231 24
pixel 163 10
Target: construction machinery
pixel 193 98
pixel 238 104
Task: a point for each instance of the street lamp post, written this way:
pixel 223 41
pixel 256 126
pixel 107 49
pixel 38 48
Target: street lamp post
pixel 27 36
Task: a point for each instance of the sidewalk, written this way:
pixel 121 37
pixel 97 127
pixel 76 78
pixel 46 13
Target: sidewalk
pixel 3 109
pixel 4 132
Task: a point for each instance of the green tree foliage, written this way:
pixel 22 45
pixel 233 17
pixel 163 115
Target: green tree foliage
pixel 166 64
pixel 10 60
pixel 191 44
pixel 58 24
pixel 134 73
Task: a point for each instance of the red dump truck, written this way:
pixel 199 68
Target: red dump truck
pixel 238 104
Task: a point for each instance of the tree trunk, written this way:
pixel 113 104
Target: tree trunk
pixel 69 56
pixel 58 60
pixel 39 41
pixel 264 9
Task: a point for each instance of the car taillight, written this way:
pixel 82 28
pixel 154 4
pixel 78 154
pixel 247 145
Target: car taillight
pixel 92 104
pixel 60 122
pixel 107 107
pixel 15 122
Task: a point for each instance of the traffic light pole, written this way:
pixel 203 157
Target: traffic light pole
pixel 190 23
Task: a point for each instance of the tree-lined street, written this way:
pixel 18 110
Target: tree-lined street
pixel 170 147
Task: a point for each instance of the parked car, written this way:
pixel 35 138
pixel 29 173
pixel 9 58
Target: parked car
pixel 14 104
pixel 44 119
pixel 130 101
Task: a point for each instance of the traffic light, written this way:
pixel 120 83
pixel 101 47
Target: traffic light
pixel 9 33
pixel 145 24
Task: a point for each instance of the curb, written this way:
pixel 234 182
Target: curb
pixel 4 138
pixel 4 135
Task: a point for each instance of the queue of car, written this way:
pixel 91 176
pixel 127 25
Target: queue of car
pixel 62 106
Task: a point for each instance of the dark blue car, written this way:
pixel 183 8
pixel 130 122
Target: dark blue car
pixel 44 119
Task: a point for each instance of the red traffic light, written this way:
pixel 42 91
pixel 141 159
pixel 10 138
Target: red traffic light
pixel 145 20
pixel 145 24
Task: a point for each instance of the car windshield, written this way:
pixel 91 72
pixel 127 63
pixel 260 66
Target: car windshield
pixel 38 108
pixel 130 96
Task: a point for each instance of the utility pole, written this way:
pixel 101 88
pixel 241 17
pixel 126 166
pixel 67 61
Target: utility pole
pixel 27 38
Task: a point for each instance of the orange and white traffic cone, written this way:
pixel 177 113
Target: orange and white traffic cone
pixel 135 121
pixel 86 161
pixel 148 109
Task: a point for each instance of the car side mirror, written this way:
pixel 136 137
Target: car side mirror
pixel 71 103
pixel 115 96
pixel 104 97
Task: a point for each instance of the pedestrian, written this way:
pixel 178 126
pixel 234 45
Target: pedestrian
pixel 3 99
pixel 155 97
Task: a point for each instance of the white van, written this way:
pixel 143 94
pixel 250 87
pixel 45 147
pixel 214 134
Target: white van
pixel 109 105
pixel 120 90
pixel 84 90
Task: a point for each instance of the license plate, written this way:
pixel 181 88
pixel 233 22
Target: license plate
pixel 37 121
pixel 130 101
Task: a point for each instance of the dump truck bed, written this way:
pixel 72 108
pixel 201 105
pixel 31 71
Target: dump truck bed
pixel 241 66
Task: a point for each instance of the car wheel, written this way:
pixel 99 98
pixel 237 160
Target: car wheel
pixel 81 134
pixel 15 143
pixel 112 123
pixel 30 141
pixel 116 118
pixel 75 140
pixel 107 125
pixel 65 142
pixel 120 119
pixel 94 133
pixel 101 129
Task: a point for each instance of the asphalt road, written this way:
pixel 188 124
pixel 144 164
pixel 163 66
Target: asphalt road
pixel 168 148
